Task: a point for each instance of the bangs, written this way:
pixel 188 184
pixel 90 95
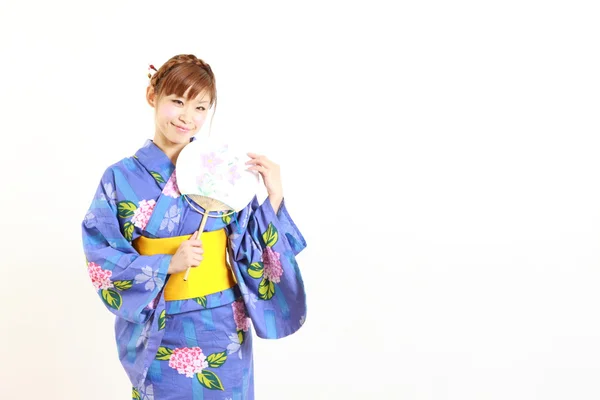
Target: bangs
pixel 188 76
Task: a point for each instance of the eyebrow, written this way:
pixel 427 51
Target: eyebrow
pixel 199 102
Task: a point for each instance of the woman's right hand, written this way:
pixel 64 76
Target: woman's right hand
pixel 189 254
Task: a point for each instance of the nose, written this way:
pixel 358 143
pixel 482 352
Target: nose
pixel 184 117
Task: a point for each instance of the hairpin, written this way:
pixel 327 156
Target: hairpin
pixel 150 69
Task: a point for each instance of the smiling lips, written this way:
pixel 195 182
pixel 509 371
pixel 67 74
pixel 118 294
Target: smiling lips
pixel 181 129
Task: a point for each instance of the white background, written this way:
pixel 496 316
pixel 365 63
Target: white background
pixel 441 159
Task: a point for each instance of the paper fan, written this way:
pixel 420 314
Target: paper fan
pixel 213 175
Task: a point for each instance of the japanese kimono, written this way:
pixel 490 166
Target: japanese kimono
pixel 197 348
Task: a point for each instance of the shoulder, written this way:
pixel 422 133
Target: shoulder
pixel 123 167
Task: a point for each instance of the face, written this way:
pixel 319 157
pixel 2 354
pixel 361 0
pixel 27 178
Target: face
pixel 177 119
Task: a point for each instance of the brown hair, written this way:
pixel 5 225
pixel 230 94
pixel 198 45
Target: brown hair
pixel 182 72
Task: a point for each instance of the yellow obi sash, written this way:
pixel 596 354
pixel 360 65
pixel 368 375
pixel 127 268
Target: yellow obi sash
pixel 210 276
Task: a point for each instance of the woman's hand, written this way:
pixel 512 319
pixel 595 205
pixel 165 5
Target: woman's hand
pixel 189 254
pixel 271 177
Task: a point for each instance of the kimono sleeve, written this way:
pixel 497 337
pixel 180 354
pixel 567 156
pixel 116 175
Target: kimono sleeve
pixel 264 254
pixel 129 284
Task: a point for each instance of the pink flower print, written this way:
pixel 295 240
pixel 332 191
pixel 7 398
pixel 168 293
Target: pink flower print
pixel 188 361
pixel 171 189
pixel 272 270
pixel 141 216
pixel 242 322
pixel 100 277
pixel 211 162
pixel 233 174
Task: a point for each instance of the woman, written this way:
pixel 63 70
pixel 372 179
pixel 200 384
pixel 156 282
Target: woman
pixel 177 340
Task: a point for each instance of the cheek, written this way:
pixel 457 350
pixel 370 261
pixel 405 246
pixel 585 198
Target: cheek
pixel 168 112
pixel 199 119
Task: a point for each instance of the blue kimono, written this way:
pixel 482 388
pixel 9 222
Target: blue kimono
pixel 197 348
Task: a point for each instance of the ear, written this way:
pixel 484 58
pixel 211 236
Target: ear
pixel 150 96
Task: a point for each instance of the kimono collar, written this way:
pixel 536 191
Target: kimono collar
pixel 156 162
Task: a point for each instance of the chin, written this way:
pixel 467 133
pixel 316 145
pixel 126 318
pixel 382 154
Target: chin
pixel 180 139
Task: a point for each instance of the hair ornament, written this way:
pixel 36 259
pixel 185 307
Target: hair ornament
pixel 151 71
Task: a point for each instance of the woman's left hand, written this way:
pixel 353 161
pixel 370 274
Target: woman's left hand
pixel 271 177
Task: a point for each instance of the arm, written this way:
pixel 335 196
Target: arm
pixel 127 282
pixel 264 250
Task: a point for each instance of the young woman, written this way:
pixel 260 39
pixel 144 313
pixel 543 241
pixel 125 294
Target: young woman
pixel 190 339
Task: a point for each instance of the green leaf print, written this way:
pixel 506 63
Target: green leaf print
pixel 157 176
pixel 162 319
pixel 126 208
pixel 112 298
pixel 163 353
pixel 128 230
pixel 209 380
pixel 241 336
pixel 226 218
pixel 135 395
pixel 271 235
pixel 256 270
pixel 201 300
pixel 217 359
pixel 123 285
pixel 266 289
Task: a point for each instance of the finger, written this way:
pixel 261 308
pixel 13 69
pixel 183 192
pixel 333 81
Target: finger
pixel 192 254
pixel 266 164
pixel 252 158
pixel 197 250
pixel 253 161
pixel 256 158
pixel 194 257
pixel 259 168
pixel 195 261
pixel 194 236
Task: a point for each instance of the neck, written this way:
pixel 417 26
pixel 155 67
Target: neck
pixel 170 149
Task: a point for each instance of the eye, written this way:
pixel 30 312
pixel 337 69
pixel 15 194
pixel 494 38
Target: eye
pixel 178 101
pixel 201 108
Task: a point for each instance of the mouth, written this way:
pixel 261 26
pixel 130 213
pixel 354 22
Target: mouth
pixel 181 129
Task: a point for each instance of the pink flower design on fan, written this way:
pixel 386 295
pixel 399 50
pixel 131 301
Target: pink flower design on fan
pixel 233 174
pixel 211 161
pixel 188 361
pixel 142 214
pixel 100 277
pixel 171 189
pixel 272 264
pixel 242 322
